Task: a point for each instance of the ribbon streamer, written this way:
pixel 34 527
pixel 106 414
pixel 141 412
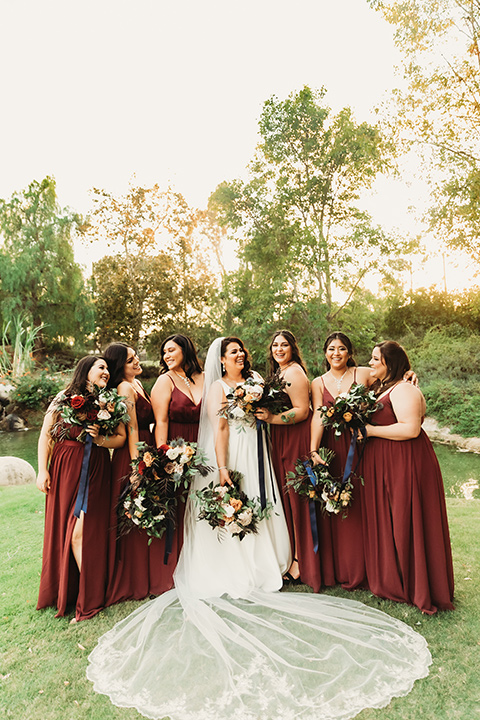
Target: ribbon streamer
pixel 351 452
pixel 168 541
pixel 261 464
pixel 81 502
pixel 311 506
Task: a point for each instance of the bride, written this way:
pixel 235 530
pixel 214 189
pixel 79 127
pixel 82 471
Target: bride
pixel 225 643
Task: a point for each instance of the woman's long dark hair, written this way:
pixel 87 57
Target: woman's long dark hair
pixel 247 367
pixel 296 354
pixel 346 341
pixel 116 356
pixel 80 374
pixel 191 364
pixel 397 363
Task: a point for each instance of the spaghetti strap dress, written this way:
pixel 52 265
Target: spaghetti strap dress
pixel 61 584
pixel 137 568
pixel 290 442
pixel 183 419
pixel 406 538
pixel 341 539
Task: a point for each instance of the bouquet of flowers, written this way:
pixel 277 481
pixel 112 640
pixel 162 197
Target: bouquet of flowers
pixel 351 410
pixel 251 395
pixel 98 406
pixel 230 510
pixel 159 479
pixel 316 483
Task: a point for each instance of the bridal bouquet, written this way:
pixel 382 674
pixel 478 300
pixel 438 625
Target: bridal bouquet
pixel 252 394
pixel 230 510
pixel 98 406
pixel 351 410
pixel 316 483
pixel 160 477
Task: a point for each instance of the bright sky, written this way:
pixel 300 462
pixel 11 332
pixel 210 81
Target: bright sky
pixel 171 91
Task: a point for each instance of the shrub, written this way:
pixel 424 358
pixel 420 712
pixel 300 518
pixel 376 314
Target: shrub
pixel 35 393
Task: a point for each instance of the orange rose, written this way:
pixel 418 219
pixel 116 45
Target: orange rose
pixel 347 416
pixel 236 504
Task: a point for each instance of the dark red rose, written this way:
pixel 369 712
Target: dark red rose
pixel 141 467
pixel 77 401
pixel 92 414
pixel 164 448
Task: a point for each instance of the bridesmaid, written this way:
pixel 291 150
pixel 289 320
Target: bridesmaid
pixel 74 568
pixel 137 568
pixel 341 543
pixel 176 402
pixel 290 433
pixel 177 394
pixel 407 544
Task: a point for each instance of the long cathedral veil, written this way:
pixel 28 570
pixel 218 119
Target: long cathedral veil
pixel 202 651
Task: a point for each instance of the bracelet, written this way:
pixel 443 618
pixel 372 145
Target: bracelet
pixel 313 452
pixel 103 443
pixel 224 467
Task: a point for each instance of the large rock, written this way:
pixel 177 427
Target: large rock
pixel 12 423
pixel 15 471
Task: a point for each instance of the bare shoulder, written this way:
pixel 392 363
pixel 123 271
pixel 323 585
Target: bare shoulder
pixel 294 373
pixel 162 384
pixel 363 376
pixel 127 391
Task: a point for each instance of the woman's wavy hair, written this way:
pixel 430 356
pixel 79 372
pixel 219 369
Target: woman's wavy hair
pixel 78 382
pixel 247 366
pixel 396 361
pixel 337 335
pixel 296 354
pixel 116 356
pixel 191 363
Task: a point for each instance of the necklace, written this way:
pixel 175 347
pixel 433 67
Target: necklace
pixel 184 378
pixel 338 383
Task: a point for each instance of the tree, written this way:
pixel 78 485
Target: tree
pixel 440 108
pixel 157 280
pixel 298 219
pixel 39 277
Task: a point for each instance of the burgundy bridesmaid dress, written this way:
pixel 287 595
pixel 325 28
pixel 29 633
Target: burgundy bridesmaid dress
pixel 290 442
pixel 406 538
pixel 341 539
pixel 61 584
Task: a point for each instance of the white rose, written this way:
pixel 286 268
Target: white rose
pixel 245 517
pixel 103 415
pixel 237 412
pixel 228 510
pixel 257 391
pixel 234 529
pixel 173 453
pixel 221 490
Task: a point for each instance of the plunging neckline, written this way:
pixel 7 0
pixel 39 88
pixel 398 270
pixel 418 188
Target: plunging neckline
pixel 185 394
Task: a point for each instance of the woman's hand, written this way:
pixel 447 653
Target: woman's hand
pixel 224 477
pixel 43 481
pixel 411 377
pixel 316 459
pixel 263 414
pixel 93 431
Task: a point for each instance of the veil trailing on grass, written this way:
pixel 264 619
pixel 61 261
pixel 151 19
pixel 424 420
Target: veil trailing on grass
pixel 225 644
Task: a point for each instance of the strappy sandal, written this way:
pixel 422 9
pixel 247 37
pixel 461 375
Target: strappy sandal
pixel 288 578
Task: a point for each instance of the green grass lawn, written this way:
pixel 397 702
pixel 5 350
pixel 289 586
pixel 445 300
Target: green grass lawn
pixel 43 659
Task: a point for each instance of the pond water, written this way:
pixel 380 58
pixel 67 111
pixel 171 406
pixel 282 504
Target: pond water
pixel 461 470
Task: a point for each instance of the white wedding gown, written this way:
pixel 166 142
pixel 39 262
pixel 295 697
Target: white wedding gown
pixel 226 645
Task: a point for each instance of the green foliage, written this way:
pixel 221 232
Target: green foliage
pixel 298 222
pixel 38 275
pixel 440 108
pixel 35 393
pixel 143 293
pixel 20 341
pixel 448 365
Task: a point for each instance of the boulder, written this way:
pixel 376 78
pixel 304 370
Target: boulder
pixel 12 423
pixel 15 471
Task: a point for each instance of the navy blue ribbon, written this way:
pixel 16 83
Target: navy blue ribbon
pixel 311 506
pixel 81 502
pixel 261 464
pixel 351 452
pixel 168 541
